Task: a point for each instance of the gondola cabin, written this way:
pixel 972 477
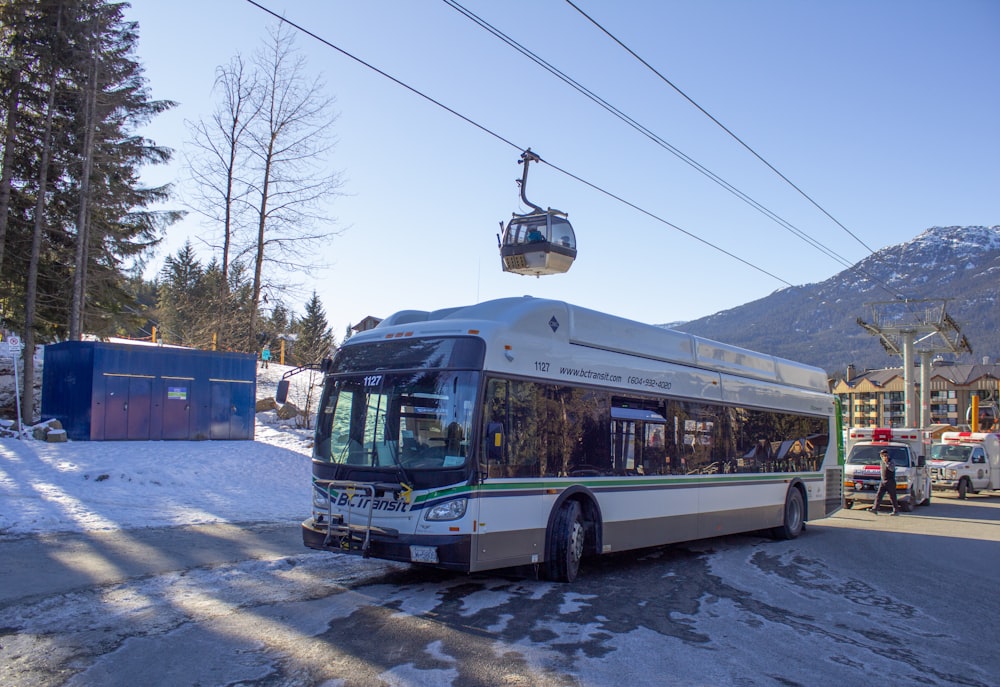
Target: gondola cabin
pixel 538 244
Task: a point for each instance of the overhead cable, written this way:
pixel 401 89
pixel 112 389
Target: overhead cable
pixel 673 149
pixel 511 144
pixel 647 132
pixel 720 124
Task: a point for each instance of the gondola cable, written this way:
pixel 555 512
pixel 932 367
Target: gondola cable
pixel 721 125
pixel 677 152
pixel 645 131
pixel 497 136
pixel 872 252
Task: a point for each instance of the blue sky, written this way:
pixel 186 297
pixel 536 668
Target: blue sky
pixel 884 112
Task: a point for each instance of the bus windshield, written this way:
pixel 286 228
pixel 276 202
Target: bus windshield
pixel 411 420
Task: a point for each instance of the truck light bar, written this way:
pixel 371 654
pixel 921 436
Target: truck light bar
pixel 882 434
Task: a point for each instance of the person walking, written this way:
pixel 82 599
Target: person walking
pixel 265 357
pixel 887 485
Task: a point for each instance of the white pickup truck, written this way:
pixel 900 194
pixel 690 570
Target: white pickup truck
pixel 863 472
pixel 966 462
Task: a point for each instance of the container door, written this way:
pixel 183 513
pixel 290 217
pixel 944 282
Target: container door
pixel 221 410
pixel 232 410
pixel 241 418
pixel 177 409
pixel 140 400
pixel 115 408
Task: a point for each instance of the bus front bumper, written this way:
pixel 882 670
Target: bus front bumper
pixel 450 552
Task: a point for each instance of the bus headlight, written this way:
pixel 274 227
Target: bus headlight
pixel 448 510
pixel 321 499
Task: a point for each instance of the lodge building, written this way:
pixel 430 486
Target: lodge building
pixel 876 398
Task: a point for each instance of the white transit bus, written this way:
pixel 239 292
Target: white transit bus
pixel 524 431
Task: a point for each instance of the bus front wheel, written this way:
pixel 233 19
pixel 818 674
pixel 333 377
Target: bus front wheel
pixel 565 549
pixel 794 516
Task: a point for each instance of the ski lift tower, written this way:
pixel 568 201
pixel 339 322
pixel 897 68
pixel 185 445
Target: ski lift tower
pixel 905 327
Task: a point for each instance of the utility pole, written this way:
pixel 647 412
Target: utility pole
pixel 898 324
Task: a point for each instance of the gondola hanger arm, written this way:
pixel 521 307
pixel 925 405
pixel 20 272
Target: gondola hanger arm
pixel 527 157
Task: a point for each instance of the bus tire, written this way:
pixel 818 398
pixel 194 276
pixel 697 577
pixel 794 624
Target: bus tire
pixel 793 516
pixel 565 547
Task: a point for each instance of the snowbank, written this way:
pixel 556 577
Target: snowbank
pixel 83 485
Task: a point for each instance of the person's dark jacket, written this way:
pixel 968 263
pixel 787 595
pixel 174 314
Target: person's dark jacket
pixel 888 471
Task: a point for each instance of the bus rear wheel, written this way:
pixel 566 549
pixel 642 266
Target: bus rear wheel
pixel 565 549
pixel 794 516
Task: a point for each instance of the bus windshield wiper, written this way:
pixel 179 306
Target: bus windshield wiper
pixel 393 450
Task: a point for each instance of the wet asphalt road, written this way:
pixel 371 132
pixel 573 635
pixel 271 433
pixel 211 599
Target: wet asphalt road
pixel 914 597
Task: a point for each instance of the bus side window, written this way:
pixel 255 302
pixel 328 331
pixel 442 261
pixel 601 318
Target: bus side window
pixel 494 449
pixel 654 452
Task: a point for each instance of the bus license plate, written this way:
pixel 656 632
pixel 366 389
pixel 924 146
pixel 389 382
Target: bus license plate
pixel 424 554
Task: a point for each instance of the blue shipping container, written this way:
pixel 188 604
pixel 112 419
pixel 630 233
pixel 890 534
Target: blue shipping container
pixel 120 391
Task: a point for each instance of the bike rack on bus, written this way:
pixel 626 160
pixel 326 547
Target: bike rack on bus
pixel 346 532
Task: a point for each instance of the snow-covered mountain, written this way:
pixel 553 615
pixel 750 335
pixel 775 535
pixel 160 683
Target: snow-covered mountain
pixel 818 323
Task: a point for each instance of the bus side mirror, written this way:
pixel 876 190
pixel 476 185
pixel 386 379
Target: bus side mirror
pixel 920 461
pixel 281 395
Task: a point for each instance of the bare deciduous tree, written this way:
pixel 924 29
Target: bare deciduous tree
pixel 261 170
pixel 221 150
pixel 291 139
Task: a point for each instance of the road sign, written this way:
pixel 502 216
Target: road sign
pixel 11 348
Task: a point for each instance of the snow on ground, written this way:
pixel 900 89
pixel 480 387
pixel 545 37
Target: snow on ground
pixel 285 618
pixel 103 485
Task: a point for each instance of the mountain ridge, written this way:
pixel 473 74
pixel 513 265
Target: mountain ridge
pixel 818 323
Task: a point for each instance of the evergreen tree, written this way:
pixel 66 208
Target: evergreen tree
pixel 228 315
pixel 241 304
pixel 280 319
pixel 274 326
pixel 72 96
pixel 315 339
pixel 145 294
pixel 114 228
pixel 182 299
pixel 31 52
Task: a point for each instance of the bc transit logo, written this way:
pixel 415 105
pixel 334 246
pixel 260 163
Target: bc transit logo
pixel 361 502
